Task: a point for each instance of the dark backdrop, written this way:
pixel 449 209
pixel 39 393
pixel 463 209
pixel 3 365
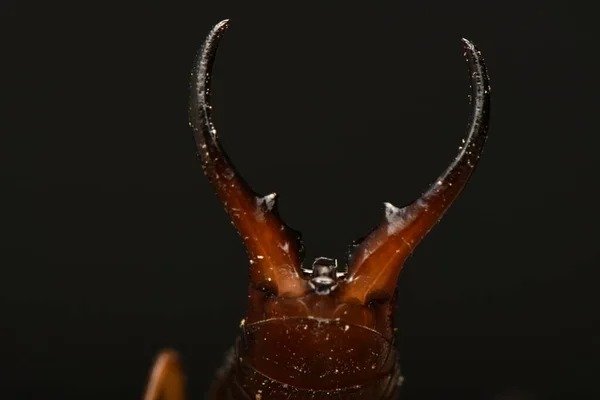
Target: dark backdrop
pixel 115 245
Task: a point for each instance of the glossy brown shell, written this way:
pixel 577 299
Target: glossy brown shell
pixel 309 358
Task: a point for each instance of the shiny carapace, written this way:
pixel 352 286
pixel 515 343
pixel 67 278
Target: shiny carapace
pixel 322 331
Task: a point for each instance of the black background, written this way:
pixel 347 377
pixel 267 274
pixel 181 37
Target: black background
pixel 115 245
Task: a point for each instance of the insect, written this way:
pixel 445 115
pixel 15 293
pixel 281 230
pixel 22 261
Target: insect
pixel 324 331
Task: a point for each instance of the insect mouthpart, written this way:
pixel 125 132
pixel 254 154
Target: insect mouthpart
pixel 324 275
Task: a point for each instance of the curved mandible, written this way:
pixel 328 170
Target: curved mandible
pixel 273 248
pixel 377 261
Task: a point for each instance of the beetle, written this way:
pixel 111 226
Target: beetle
pixel 324 331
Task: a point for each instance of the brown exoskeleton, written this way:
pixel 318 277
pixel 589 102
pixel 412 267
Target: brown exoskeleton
pixel 320 332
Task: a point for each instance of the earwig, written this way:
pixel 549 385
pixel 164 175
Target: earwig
pixel 320 332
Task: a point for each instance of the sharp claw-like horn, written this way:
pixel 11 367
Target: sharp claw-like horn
pixel 273 248
pixel 377 261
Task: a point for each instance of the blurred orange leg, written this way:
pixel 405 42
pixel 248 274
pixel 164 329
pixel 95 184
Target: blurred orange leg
pixel 166 380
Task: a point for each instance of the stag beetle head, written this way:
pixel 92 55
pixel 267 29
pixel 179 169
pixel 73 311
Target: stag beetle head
pixel 361 292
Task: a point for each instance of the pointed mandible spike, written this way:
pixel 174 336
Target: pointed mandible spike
pixel 272 247
pixel 377 262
